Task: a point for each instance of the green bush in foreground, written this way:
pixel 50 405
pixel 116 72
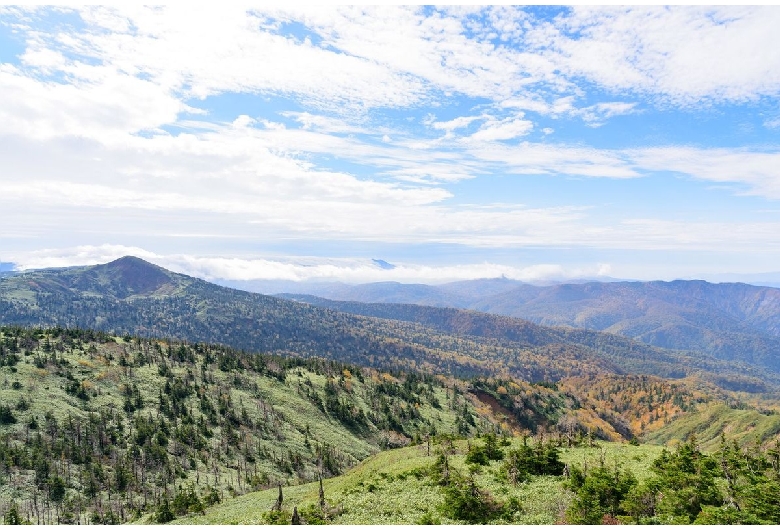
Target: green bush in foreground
pixel 731 486
pixel 600 492
pixel 465 501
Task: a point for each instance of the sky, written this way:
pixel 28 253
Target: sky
pixel 412 144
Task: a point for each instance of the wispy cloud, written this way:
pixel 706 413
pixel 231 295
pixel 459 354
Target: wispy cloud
pixel 750 171
pixel 596 115
pixel 506 129
pixel 683 55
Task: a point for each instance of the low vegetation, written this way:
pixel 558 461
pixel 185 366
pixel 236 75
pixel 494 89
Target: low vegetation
pixel 97 428
pixel 522 481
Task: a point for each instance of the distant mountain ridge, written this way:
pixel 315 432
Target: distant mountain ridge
pixel 132 296
pixel 731 321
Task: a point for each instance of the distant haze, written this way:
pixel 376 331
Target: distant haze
pixel 306 274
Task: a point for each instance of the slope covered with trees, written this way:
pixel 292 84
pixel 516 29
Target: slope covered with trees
pixel 140 426
pixel 96 428
pixel 731 321
pixel 132 296
pixel 157 429
pixel 623 355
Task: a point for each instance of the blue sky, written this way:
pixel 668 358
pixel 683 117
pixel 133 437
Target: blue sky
pixel 301 143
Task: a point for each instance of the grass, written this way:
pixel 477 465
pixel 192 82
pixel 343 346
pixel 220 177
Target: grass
pixel 287 424
pixel 392 487
pixel 707 424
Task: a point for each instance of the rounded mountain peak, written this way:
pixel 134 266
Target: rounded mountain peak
pixel 133 275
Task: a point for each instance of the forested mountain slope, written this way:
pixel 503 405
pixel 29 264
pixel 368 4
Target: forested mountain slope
pixel 132 296
pixel 98 428
pixel 626 355
pixel 731 321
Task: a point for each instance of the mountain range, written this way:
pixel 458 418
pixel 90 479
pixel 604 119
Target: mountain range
pixel 132 296
pixel 730 321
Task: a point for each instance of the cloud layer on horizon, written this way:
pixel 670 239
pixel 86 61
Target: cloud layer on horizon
pixel 301 269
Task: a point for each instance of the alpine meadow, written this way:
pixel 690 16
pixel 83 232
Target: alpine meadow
pixel 389 265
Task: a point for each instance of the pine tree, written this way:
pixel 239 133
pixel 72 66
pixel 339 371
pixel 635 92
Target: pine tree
pixel 163 514
pixel 12 515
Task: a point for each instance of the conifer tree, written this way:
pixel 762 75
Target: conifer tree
pixel 12 516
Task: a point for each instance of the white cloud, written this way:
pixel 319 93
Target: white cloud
pixel 105 119
pixel 684 55
pixel 108 108
pixel 530 158
pixel 596 115
pixel 527 103
pixel 556 108
pixel 75 256
pixel 348 270
pixel 772 123
pixel 456 123
pixel 434 49
pixel 666 234
pixel 361 57
pixel 242 53
pixel 325 124
pixel 755 172
pixel 505 129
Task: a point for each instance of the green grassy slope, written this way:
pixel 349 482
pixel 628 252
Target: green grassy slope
pixel 131 420
pixel 163 414
pixel 392 488
pixel 713 420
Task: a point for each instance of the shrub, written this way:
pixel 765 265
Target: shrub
pixel 599 493
pixel 540 459
pixel 163 513
pixel 6 416
pixel 726 515
pixel 465 501
pixel 186 501
pixel 12 515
